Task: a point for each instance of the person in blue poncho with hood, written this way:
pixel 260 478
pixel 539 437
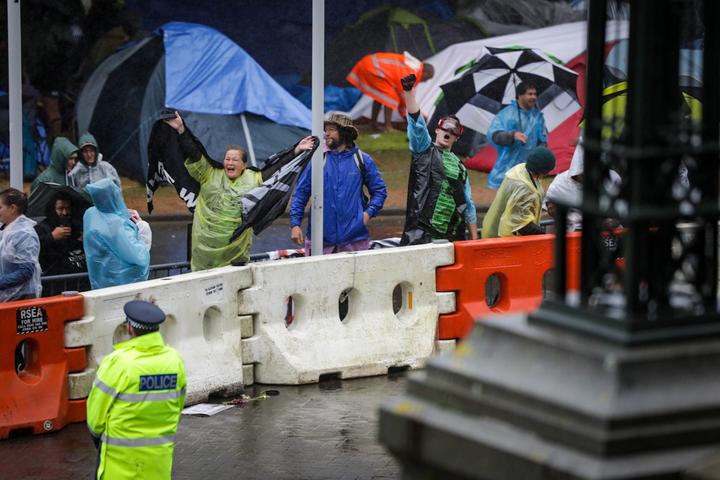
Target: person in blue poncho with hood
pixel 515 131
pixel 116 241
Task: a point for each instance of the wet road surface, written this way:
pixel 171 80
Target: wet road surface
pixel 322 431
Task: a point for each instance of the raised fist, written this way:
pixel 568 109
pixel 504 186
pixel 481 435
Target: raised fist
pixel 408 81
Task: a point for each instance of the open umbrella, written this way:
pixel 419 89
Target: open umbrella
pixel 488 85
pixel 45 193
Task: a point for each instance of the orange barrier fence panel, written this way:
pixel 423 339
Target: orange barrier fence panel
pixel 34 365
pixel 499 276
pixel 573 261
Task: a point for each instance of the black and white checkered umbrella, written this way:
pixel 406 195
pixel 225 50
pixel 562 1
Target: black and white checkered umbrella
pixel 482 90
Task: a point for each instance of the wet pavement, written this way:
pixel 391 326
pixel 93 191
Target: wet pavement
pixel 322 431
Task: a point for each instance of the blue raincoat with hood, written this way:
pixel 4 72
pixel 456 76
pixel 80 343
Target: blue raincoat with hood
pixel 115 252
pixel 515 119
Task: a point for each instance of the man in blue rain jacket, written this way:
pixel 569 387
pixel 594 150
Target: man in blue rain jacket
pixel 346 209
pixel 515 131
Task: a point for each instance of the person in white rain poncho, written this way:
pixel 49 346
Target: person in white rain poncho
pixel 19 249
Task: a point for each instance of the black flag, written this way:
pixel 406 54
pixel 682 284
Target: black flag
pixel 263 204
pixel 166 163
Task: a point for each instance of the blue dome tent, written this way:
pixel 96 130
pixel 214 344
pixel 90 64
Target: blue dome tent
pixel 223 94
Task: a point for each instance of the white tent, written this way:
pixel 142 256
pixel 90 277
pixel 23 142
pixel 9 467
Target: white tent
pixel 564 42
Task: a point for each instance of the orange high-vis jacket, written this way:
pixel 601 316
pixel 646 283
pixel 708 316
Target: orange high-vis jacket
pixel 378 76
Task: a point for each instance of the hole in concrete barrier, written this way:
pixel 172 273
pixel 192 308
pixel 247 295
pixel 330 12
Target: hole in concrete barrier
pixel 397 299
pixel 402 299
pixel 219 394
pixel 493 287
pixel 330 381
pixel 27 365
pixel 345 302
pixel 289 311
pixel 328 377
pixel 548 283
pixel 212 324
pixel 398 369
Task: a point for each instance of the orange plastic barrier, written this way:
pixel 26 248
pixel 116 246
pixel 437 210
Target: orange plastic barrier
pixel 518 263
pixel 35 397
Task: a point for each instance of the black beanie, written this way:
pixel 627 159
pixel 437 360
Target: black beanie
pixel 540 160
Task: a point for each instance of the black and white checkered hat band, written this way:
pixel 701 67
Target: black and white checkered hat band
pixel 141 326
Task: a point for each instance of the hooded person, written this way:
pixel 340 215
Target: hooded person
pixel 517 206
pixel 19 249
pixel 117 242
pixel 90 166
pixel 62 160
pixel 515 131
pixel 60 234
pixel 567 189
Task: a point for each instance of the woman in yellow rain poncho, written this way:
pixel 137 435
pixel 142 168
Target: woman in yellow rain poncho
pixel 218 210
pixel 517 205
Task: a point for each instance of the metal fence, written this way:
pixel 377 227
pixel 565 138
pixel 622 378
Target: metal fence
pixel 79 282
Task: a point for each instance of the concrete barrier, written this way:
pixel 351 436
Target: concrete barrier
pixel 202 324
pixel 390 321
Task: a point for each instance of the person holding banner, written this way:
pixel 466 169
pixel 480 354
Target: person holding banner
pixel 218 210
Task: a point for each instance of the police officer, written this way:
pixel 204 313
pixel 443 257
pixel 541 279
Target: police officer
pixel 135 403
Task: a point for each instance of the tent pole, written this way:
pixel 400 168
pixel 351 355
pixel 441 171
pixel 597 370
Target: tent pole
pixel 318 100
pixel 248 140
pixel 15 84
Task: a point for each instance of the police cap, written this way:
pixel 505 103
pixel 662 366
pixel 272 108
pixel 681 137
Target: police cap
pixel 143 315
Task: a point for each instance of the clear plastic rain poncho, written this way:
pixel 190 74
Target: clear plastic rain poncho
pixel 19 244
pixel 513 118
pixel 218 212
pixel 517 203
pixel 115 250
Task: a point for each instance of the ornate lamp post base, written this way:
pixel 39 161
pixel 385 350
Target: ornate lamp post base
pixel 523 401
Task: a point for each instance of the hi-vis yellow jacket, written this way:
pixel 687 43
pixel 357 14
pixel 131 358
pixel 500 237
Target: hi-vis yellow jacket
pixel 134 408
